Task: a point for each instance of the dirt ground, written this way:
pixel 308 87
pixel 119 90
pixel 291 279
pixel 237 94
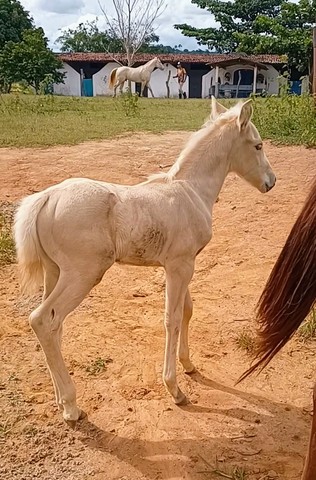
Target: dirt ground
pixel 113 343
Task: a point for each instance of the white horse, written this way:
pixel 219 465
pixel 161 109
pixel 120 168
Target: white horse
pixel 70 234
pixel 140 74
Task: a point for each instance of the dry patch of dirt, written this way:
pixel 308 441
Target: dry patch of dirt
pixel 113 343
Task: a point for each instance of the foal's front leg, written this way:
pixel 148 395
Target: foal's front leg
pixel 178 276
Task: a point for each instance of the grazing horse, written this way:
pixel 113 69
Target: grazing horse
pixel 140 74
pixel 288 297
pixel 70 234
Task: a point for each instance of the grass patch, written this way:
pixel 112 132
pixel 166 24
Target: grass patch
pixel 307 330
pixel 28 121
pixel 246 341
pixel 34 120
pixel 7 248
pixel 288 119
pixel 97 366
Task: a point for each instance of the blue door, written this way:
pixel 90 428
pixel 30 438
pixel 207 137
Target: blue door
pixel 296 87
pixel 87 87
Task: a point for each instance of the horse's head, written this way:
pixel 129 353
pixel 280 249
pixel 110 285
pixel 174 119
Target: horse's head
pixel 158 64
pixel 247 157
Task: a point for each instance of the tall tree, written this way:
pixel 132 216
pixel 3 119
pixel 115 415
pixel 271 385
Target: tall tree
pixel 14 19
pixel 87 37
pixel 259 26
pixel 30 61
pixel 233 17
pixel 289 33
pixel 132 23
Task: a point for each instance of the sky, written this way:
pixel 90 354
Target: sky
pixel 62 14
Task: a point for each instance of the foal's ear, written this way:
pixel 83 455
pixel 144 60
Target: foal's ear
pixel 245 114
pixel 216 109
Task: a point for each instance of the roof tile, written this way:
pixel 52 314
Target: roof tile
pixel 170 57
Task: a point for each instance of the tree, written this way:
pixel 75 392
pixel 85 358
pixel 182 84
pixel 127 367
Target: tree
pixel 259 26
pixel 132 23
pixel 233 17
pixel 13 21
pixel 30 61
pixel 87 37
pixel 289 33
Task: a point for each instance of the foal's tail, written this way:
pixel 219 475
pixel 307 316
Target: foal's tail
pixel 28 247
pixel 112 78
pixel 290 292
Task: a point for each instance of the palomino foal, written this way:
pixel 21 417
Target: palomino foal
pixel 68 236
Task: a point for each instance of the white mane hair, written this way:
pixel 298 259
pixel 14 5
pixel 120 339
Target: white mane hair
pixel 202 138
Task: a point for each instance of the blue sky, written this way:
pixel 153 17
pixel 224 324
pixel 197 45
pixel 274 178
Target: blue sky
pixel 60 14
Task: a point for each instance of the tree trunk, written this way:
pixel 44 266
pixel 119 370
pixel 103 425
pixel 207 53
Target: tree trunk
pixel 167 84
pixel 129 64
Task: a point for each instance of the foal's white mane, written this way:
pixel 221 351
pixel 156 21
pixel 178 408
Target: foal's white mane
pixel 198 143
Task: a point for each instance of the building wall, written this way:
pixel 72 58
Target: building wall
pixel 72 86
pixel 101 80
pixel 271 82
pixel 158 82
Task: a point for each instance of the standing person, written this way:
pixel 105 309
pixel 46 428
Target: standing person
pixel 181 76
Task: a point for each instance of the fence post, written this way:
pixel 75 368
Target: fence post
pixel 314 64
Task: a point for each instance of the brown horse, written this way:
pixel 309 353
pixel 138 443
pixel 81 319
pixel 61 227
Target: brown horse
pixel 287 299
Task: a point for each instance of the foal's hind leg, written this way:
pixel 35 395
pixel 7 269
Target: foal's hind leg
pixel 183 352
pixel 51 275
pixel 47 320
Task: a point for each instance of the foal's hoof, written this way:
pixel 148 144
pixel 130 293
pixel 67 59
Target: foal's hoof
pixel 72 423
pixel 82 415
pixel 191 369
pixel 180 399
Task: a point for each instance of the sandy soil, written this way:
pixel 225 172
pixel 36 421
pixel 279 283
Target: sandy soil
pixel 133 430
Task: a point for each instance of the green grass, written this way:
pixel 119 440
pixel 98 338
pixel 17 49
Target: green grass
pixel 27 120
pixel 97 366
pixel 7 249
pixel 307 330
pixel 246 341
pixel 287 120
pixel 30 121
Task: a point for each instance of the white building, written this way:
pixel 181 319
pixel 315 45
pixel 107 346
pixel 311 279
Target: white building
pixel 87 74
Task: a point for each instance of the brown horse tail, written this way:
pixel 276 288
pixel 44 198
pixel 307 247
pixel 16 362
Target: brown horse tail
pixel 290 292
pixel 112 78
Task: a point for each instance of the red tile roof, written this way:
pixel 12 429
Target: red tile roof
pixel 168 57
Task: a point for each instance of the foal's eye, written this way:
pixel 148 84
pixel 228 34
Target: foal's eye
pixel 259 146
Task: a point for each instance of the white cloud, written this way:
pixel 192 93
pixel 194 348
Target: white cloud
pixel 61 14
pixel 63 7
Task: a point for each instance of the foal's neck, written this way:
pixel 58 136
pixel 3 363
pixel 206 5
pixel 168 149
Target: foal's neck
pixel 205 163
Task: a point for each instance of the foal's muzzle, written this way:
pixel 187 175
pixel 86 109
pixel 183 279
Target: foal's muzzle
pixel 270 185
